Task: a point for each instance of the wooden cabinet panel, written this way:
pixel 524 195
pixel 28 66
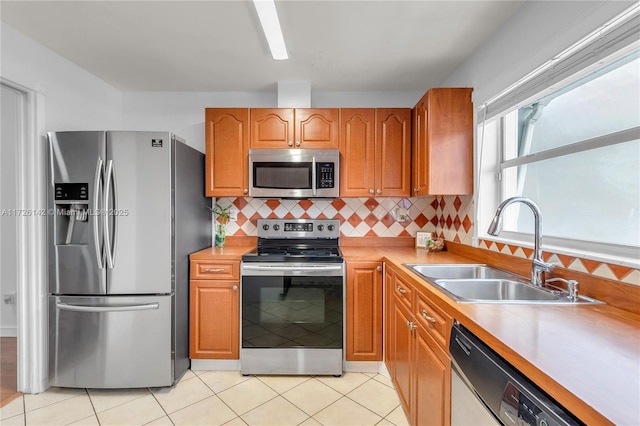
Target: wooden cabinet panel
pixel 218 270
pixel 227 149
pixel 375 148
pixel 364 311
pixel 317 128
pixel 403 346
pixel 357 152
pixel 214 319
pixel 432 371
pixel 393 146
pixel 443 143
pixel 434 320
pixel 272 127
pixel 311 128
pixel 419 364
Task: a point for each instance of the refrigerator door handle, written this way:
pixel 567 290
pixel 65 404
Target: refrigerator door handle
pixel 96 212
pixel 109 213
pixel 107 308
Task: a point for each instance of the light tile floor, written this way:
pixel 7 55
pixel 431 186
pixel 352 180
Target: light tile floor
pixel 220 398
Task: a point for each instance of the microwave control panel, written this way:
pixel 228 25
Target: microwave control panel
pixel 325 175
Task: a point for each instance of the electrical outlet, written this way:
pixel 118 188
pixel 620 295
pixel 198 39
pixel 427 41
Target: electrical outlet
pixel 402 215
pixel 233 214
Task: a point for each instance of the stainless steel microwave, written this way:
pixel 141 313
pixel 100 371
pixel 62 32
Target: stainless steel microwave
pixel 294 173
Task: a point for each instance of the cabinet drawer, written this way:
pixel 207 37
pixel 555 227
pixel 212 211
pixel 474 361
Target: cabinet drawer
pixel 404 293
pixel 434 320
pixel 215 270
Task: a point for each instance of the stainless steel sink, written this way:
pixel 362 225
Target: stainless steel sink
pixel 455 271
pixel 479 283
pixel 495 290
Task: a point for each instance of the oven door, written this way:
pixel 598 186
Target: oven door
pixel 292 305
pixel 292 318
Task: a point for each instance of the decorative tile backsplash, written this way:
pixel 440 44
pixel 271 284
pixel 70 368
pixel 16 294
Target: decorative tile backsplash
pixel 449 217
pixel 362 216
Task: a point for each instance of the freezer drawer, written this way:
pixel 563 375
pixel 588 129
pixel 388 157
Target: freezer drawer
pixel 110 342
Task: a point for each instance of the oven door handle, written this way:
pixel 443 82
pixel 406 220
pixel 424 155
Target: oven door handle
pixel 276 268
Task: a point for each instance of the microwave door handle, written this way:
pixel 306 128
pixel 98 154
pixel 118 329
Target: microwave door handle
pixel 313 176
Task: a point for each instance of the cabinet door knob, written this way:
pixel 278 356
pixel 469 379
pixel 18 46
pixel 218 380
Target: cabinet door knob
pixel 297 143
pixel 290 143
pixel 371 191
pixel 246 191
pixel 379 268
pixel 234 288
pixel 379 191
pixel 432 320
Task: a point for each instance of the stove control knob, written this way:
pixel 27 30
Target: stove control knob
pixel 276 227
pixel 265 227
pixel 320 227
pixel 330 227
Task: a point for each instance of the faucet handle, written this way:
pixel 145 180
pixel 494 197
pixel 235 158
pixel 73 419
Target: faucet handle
pixel 572 287
pixel 543 266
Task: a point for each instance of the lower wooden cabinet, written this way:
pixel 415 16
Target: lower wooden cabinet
pixel 416 354
pixel 214 320
pixel 364 311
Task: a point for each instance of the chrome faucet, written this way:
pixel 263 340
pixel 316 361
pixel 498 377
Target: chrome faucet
pixel 539 266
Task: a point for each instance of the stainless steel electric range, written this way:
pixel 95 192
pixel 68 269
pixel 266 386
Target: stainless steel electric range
pixel 292 299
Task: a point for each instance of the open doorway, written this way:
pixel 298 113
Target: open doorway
pixel 12 132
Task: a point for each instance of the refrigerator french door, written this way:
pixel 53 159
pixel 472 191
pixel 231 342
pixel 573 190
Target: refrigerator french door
pixel 118 247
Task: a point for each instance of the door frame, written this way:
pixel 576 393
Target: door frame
pixel 31 288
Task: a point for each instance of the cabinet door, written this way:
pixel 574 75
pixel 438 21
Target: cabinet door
pixel 317 128
pixel 450 141
pixel 389 316
pixel 272 127
pixel 214 319
pixel 357 152
pixel 419 167
pixel 393 152
pixel 432 372
pixel 364 311
pixel 403 347
pixel 227 145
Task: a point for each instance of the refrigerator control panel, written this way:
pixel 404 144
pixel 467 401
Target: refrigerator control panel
pixel 71 191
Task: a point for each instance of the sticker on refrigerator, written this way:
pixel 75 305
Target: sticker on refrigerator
pixel 156 143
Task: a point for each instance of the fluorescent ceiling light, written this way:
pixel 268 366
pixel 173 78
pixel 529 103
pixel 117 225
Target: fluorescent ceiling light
pixel 271 26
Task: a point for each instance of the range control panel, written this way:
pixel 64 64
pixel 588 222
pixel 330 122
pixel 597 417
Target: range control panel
pixel 298 228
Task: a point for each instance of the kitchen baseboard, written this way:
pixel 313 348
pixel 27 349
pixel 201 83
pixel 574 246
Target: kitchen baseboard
pixel 215 364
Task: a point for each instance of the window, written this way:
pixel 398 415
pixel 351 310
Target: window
pixel 576 153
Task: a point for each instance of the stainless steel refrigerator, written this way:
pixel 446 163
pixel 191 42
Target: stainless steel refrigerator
pixel 125 210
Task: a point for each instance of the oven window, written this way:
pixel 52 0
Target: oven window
pixel 282 175
pixel 292 312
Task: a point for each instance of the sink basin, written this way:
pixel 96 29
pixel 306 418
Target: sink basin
pixel 478 283
pixel 495 290
pixel 454 271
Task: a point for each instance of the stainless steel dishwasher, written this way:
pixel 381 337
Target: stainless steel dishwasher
pixel 486 390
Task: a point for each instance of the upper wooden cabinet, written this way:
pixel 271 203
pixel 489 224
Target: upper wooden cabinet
pixel 375 147
pixel 227 150
pixel 311 128
pixel 442 147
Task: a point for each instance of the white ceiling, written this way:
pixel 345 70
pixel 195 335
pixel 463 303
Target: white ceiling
pixel 219 45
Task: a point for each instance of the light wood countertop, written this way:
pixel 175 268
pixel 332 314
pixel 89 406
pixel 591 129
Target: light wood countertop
pixel 585 356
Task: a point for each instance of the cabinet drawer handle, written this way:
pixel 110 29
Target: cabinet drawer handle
pixel 427 317
pixel 213 269
pixel 401 290
pixel 411 325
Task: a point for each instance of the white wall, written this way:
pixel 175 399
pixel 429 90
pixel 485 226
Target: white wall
pixel 538 31
pixel 74 99
pixel 183 112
